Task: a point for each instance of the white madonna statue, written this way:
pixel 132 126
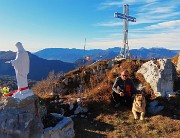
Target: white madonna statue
pixel 21 66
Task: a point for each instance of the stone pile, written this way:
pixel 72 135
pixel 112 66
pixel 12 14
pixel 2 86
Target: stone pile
pixel 21 119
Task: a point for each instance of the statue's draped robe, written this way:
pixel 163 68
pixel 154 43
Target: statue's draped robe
pixel 21 66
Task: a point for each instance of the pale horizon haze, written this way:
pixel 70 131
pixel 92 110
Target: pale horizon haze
pixel 40 24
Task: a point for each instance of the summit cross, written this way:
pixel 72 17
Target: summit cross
pixel 126 18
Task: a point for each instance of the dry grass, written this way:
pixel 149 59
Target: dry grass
pixel 175 62
pixel 44 88
pixel 105 121
pixel 175 59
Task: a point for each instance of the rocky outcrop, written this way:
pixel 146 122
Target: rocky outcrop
pixel 159 74
pixel 20 118
pixel 63 129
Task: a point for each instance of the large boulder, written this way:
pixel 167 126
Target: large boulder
pixel 159 74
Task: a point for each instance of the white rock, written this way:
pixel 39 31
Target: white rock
pixel 160 78
pixel 79 101
pixel 23 94
pixel 57 115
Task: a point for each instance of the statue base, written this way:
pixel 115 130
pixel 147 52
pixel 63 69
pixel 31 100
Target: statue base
pixel 23 94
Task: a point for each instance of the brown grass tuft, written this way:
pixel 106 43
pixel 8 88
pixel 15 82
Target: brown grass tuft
pixel 175 59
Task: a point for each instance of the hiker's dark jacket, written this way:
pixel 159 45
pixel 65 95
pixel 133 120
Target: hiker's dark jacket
pixel 125 86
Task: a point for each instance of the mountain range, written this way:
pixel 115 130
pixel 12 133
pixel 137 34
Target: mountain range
pixel 39 67
pixel 65 60
pixel 72 55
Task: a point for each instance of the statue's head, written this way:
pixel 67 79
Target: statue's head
pixel 19 46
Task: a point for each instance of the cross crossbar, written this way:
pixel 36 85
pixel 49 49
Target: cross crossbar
pixel 123 16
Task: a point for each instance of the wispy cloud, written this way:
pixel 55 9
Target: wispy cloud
pixel 104 44
pixel 165 25
pixel 168 40
pixel 117 3
pixel 109 4
pixel 158 24
pixel 109 24
pixel 145 37
pixel 149 11
pixel 158 10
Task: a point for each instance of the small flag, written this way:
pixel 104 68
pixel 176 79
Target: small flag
pixel 88 59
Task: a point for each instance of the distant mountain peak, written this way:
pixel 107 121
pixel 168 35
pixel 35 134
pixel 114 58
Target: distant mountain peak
pixel 72 55
pixel 142 48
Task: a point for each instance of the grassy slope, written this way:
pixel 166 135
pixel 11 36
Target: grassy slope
pixel 103 120
pixel 106 121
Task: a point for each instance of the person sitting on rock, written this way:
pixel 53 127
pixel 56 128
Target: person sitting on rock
pixel 123 90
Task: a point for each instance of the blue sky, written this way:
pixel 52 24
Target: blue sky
pixel 40 24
